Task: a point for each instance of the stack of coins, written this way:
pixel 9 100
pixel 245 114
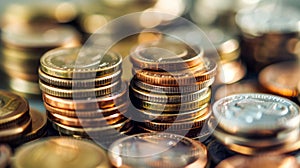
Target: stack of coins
pixel 83 93
pixel 154 150
pixel 254 124
pixel 170 88
pixel 270 32
pixel 281 78
pixel 23 48
pixel 18 124
pixel 60 152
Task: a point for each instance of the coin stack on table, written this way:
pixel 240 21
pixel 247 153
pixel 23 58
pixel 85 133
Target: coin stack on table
pixel 171 87
pixel 18 123
pixel 253 124
pixel 83 93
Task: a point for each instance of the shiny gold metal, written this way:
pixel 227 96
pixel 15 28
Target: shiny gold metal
pixel 79 63
pixel 281 78
pixel 230 72
pixel 10 134
pixel 104 102
pixel 83 83
pixel 80 92
pixel 60 152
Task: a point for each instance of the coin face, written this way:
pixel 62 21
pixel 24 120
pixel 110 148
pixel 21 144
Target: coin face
pixel 254 113
pixel 281 78
pixel 165 55
pixel 157 150
pixel 79 63
pixel 60 152
pixel 12 107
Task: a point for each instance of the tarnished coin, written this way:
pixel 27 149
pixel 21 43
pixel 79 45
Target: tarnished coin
pixel 80 92
pixel 60 152
pixel 165 55
pixel 178 78
pixel 258 114
pixel 281 78
pixel 266 161
pixel 79 63
pixel 82 83
pixel 12 107
pixel 154 150
pixel 108 101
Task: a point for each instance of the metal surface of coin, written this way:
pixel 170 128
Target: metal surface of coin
pixel 178 78
pixel 60 152
pixel 165 56
pixel 12 107
pixel 154 150
pixel 281 78
pixel 256 113
pixel 73 63
pixel 5 154
pixel 265 161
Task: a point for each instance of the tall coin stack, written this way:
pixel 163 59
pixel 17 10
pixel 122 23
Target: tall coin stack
pixel 23 48
pixel 18 123
pixel 171 88
pixel 83 93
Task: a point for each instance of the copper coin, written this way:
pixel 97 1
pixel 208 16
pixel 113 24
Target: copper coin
pixel 281 78
pixel 104 102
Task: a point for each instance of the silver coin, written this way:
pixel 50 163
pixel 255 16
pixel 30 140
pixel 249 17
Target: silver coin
pixel 255 113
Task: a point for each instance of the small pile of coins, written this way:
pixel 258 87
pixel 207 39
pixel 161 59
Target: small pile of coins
pixel 18 123
pixel 60 152
pixel 83 93
pixel 170 88
pixel 23 48
pixel 256 123
pixel 155 150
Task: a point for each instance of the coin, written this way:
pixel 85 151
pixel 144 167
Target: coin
pixel 166 98
pixel 267 161
pixel 80 92
pixel 79 63
pixel 178 78
pixel 281 78
pixel 24 86
pixel 5 156
pixel 172 107
pixel 165 55
pixel 114 99
pixel 12 107
pixel 230 72
pixel 256 114
pixel 121 109
pixel 85 122
pixel 83 83
pixel 60 152
pixel 157 150
pixel 173 89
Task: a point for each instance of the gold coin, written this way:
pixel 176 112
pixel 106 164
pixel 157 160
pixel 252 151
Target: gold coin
pixel 266 161
pixel 12 107
pixel 60 152
pixel 82 83
pixel 21 75
pixel 179 126
pixel 281 78
pixel 170 117
pixel 166 98
pixel 80 92
pixel 165 55
pixel 172 107
pixel 178 78
pixel 103 102
pixel 121 109
pixel 24 86
pixel 173 89
pixel 79 63
pixel 230 72
pixel 38 127
pixel 85 122
pixel 39 37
